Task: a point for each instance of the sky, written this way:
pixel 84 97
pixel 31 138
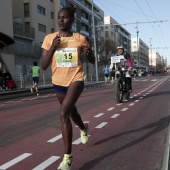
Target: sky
pixel 144 12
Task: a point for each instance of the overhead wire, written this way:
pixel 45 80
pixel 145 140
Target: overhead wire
pixel 126 8
pixel 111 11
pixel 148 20
pixel 158 23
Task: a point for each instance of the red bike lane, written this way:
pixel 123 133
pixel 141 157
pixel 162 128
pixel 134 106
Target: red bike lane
pixel 126 136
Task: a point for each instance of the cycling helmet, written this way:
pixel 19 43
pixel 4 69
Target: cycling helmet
pixel 120 47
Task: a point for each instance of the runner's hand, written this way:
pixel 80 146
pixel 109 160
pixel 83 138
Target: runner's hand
pixel 56 42
pixel 89 55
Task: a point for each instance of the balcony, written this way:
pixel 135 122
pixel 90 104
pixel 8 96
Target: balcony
pixel 84 32
pixel 24 31
pixel 87 9
pixel 27 49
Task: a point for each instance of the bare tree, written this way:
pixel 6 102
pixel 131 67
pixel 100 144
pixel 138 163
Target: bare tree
pixel 107 50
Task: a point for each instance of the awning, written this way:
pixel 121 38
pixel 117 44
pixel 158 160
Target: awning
pixel 5 40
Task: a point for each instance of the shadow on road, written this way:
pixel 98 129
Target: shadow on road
pixel 156 127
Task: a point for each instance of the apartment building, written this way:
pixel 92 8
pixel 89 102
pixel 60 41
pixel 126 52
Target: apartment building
pixel 31 20
pixel 140 53
pixel 156 61
pixel 118 35
pixel 85 11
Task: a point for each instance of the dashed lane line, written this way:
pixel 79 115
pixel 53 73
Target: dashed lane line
pixel 131 104
pixel 101 125
pixel 124 109
pixel 78 141
pixel 55 138
pixel 46 163
pixel 99 115
pixel 136 101
pixel 111 108
pixel 15 161
pixel 114 116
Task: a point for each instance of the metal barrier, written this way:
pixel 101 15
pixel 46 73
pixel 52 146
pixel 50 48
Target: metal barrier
pixel 25 81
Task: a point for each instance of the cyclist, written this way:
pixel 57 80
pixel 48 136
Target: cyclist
pixel 127 64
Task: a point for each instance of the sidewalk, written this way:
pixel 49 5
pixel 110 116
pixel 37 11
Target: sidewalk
pixel 19 92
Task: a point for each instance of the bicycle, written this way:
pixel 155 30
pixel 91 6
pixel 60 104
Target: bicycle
pixel 122 83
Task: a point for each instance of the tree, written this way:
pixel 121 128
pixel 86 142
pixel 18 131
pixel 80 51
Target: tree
pixel 107 49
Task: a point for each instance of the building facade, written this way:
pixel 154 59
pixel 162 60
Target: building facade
pixel 118 35
pixel 140 54
pixel 30 21
pixel 156 61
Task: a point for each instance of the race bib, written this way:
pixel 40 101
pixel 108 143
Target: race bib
pixel 66 57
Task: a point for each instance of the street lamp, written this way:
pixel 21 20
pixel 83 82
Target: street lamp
pixel 151 52
pixel 138 48
pixel 95 50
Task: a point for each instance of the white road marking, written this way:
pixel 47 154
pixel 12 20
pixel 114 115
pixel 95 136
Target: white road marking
pixel 55 138
pixel 78 141
pixel 100 114
pixel 15 161
pixel 115 116
pixel 111 108
pixel 124 109
pixel 119 104
pixel 135 95
pixel 101 125
pixel 140 97
pixel 46 163
pixel 83 122
pixel 131 104
pixel 136 101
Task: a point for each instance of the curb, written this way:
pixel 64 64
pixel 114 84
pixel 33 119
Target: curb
pixel 165 163
pixel 26 92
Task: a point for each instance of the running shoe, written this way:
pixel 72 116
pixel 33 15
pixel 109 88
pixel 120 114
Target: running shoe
pixel 84 134
pixel 66 163
pixel 37 94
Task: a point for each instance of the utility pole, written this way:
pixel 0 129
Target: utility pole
pixel 138 46
pixel 95 49
pixel 151 52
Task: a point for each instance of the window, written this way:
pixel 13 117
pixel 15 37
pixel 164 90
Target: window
pixel 107 34
pixel 41 28
pixel 52 30
pixel 40 10
pixel 52 15
pixel 26 10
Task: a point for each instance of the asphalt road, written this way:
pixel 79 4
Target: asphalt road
pixel 127 136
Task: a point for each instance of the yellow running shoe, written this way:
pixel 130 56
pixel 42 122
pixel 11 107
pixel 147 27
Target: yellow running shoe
pixel 84 134
pixel 66 163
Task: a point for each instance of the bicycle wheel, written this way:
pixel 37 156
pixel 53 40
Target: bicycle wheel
pixel 127 89
pixel 118 93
